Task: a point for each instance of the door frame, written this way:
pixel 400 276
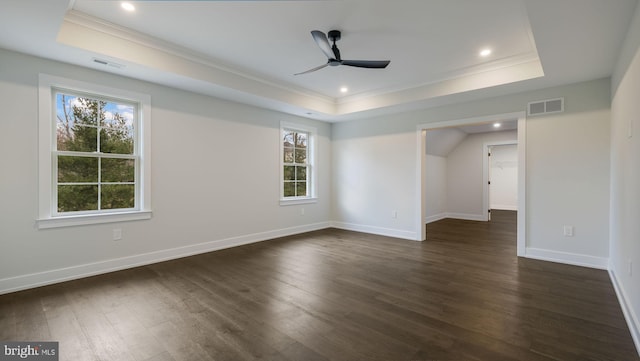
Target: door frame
pixel 421 169
pixel 486 164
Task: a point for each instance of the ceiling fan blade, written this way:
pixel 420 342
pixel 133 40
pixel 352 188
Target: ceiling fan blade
pixel 373 64
pixel 314 69
pixel 323 43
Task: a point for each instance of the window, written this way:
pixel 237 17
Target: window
pixel 94 154
pixel 297 173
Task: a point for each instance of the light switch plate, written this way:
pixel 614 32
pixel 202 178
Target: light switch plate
pixel 568 231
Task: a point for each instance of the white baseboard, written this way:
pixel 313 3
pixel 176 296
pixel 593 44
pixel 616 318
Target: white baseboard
pixel 629 315
pixel 468 217
pixel 33 280
pixel 389 232
pixel 463 216
pixel 567 258
pixel 435 218
pixel 504 207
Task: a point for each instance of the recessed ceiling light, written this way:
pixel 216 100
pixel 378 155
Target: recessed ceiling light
pixel 344 89
pixel 497 125
pixel 485 52
pixel 127 6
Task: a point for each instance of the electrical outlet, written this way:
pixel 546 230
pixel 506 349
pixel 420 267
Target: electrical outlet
pixel 117 234
pixel 568 231
pixel 302 211
pixel 394 214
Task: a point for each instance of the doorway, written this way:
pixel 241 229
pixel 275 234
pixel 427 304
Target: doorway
pixel 500 176
pixel 421 173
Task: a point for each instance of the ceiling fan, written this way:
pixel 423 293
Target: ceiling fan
pixel 333 53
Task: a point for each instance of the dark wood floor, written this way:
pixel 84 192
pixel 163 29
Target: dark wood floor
pixel 336 295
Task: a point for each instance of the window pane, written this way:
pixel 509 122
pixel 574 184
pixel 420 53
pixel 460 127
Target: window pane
pixel 301 173
pixel 288 155
pixel 289 189
pixel 65 121
pixel 116 140
pixel 77 169
pixel 79 138
pixel 117 196
pixel 76 122
pixel 117 170
pixel 295 147
pixel 301 189
pixel 300 155
pixel 118 115
pixel 77 198
pixel 288 137
pixel 301 140
pixel 72 110
pixel 289 172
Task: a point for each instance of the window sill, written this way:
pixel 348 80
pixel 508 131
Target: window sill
pixel 86 219
pixel 294 201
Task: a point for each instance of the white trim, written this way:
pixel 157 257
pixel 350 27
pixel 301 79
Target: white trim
pixel 522 186
pixel 435 218
pixel 567 258
pixel 389 232
pixel 629 315
pixel 504 207
pixel 421 181
pixel 486 163
pixel 86 219
pixel 23 282
pixel 421 201
pixel 467 217
pixel 312 183
pixel 294 201
pixel 47 217
pixel 462 216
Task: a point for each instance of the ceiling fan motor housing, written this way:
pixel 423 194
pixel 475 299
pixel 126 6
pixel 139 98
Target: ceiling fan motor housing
pixel 334 35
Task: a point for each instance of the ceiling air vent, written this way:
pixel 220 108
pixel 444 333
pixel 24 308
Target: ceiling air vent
pixel 108 63
pixel 546 107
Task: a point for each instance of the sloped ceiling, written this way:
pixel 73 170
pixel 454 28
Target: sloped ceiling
pixel 440 142
pixel 248 51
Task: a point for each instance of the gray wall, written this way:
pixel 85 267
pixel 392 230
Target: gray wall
pixel 215 181
pixel 625 179
pixel 367 174
pixel 374 164
pixel 465 174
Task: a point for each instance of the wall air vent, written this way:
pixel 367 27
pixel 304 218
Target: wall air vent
pixel 108 63
pixel 546 107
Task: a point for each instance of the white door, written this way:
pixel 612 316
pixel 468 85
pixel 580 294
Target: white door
pixel 503 177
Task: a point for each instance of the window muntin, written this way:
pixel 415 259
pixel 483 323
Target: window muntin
pixel 105 179
pixel 296 168
pixel 95 157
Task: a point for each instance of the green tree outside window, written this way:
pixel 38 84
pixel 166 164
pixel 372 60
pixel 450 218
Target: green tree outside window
pixel 95 154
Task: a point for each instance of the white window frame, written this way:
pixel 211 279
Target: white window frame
pixel 312 170
pixel 48 217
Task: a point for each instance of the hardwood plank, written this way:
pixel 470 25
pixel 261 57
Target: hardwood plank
pixel 336 295
pixel 65 327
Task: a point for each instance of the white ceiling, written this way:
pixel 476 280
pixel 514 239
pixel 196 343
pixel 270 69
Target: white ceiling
pixel 248 51
pixel 441 141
